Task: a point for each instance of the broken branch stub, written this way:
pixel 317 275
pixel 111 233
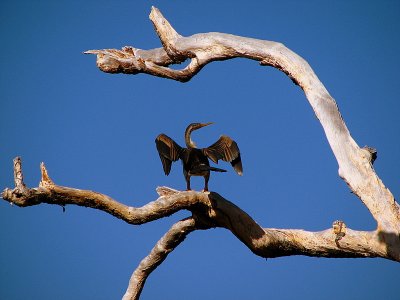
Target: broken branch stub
pixel 212 210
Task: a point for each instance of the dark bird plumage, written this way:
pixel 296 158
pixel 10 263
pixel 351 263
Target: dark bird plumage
pixel 194 160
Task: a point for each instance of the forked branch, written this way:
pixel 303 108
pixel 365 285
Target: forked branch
pixel 355 163
pixel 210 209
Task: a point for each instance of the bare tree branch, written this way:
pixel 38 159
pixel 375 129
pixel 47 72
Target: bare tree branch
pixel 355 164
pixel 210 209
pixel 175 235
pixel 213 211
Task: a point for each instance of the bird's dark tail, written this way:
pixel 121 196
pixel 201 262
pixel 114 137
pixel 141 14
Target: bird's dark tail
pixel 216 169
pixel 203 168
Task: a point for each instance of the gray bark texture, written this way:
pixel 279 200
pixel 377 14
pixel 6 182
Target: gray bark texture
pixel 211 210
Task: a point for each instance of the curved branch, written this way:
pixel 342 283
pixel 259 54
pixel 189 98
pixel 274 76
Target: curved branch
pixel 355 164
pixel 175 235
pixel 212 210
pixel 50 193
pixel 209 210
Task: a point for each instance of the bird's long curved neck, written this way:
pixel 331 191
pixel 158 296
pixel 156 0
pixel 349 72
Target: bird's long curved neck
pixel 188 140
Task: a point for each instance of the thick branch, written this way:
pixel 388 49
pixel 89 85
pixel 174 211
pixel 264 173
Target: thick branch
pixel 215 211
pixel 50 193
pixel 355 164
pixel 210 209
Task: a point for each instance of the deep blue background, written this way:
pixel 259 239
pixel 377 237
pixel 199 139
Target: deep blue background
pixel 96 131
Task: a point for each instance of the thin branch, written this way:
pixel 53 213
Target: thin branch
pixel 50 193
pixel 18 175
pixel 175 235
pixel 210 209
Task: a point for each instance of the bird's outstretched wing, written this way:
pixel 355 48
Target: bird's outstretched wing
pixel 168 150
pixel 226 149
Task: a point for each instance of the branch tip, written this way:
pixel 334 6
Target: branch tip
pixel 18 175
pixel 92 52
pixel 166 33
pixel 46 180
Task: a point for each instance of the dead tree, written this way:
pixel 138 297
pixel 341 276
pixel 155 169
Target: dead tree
pixel 209 210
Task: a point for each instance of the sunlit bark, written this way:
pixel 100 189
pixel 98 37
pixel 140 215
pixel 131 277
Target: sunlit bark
pixel 212 210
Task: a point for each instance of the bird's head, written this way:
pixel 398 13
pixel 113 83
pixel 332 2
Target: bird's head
pixel 195 126
pixel 188 131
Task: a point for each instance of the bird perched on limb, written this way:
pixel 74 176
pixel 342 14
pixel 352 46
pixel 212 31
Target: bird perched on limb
pixel 194 160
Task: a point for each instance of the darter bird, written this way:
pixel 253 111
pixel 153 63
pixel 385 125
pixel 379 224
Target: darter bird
pixel 194 160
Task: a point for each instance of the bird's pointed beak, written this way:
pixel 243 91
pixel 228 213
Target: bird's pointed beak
pixel 206 124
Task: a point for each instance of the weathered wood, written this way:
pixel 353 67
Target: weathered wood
pixel 175 235
pixel 212 210
pixel 354 163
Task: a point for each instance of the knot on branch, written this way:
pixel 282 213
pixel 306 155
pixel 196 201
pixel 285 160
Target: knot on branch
pixel 372 153
pixel 339 228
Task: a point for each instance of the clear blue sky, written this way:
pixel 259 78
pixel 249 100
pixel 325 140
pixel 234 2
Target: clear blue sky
pixel 96 131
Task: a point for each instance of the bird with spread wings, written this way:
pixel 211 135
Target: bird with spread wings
pixel 194 160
